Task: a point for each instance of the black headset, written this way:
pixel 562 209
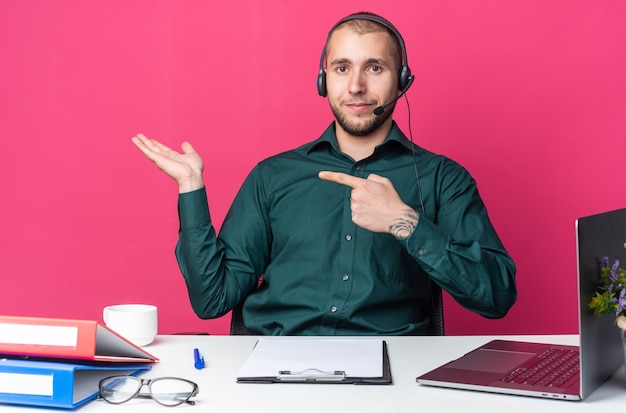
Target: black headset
pixel 405 79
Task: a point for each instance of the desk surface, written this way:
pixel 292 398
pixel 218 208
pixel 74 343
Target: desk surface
pixel 409 357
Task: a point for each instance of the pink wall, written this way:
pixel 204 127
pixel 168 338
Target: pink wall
pixel 529 95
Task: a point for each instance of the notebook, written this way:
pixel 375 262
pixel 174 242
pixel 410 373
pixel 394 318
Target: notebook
pixel 502 366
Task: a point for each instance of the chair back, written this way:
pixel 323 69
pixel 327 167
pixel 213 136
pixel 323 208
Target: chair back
pixel 436 317
pixel 237 327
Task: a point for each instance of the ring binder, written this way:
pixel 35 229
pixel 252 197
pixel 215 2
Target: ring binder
pixel 61 338
pixel 57 384
pixel 312 375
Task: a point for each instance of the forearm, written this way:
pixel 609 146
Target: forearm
pixel 197 257
pixel 479 274
pixel 201 259
pixel 220 271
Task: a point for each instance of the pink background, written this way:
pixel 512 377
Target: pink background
pixel 529 95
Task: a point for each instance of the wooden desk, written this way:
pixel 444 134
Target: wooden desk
pixel 409 357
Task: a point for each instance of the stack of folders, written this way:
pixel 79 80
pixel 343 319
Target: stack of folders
pixel 58 363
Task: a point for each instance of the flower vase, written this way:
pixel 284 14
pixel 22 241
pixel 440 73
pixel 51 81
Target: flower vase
pixel 624 344
pixel 621 324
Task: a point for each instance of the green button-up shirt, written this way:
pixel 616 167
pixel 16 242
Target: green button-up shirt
pixel 324 275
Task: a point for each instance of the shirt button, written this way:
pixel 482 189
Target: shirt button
pixel 348 237
pixel 345 277
pixel 420 252
pixel 333 309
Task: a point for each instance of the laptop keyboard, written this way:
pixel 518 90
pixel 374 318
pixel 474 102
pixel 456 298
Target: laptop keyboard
pixel 552 368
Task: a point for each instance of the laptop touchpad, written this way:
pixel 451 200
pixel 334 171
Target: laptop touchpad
pixel 496 361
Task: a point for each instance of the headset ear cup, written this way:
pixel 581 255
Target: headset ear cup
pixel 404 78
pixel 321 83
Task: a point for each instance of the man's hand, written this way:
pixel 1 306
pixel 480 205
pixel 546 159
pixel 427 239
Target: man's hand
pixel 376 205
pixel 185 168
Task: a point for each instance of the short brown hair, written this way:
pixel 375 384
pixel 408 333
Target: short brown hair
pixel 364 26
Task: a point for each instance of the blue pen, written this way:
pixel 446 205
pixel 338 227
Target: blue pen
pixel 198 359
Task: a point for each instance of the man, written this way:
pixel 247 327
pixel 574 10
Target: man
pixel 343 235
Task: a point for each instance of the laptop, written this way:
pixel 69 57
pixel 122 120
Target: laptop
pixel 503 366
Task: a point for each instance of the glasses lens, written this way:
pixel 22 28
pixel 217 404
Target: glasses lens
pixel 119 389
pixel 172 391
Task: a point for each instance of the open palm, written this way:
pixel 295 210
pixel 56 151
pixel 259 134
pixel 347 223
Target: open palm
pixel 185 168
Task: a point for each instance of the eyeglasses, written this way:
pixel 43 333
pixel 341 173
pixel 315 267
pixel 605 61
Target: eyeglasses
pixel 168 391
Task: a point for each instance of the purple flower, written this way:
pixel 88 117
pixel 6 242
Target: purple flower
pixel 613 275
pixel 611 295
pixel 614 270
pixel 621 303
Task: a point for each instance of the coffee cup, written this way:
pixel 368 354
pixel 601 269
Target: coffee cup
pixel 138 323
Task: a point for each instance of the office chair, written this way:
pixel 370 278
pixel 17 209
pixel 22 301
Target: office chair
pixel 238 328
pixel 436 322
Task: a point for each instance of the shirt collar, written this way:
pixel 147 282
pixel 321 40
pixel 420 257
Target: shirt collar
pixel 329 137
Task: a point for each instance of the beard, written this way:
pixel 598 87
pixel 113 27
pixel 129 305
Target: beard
pixel 365 128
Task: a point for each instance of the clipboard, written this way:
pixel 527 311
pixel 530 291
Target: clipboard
pixel 363 361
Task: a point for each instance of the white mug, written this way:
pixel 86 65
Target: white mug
pixel 138 323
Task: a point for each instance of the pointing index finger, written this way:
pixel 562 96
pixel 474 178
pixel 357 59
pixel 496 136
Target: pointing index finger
pixel 340 178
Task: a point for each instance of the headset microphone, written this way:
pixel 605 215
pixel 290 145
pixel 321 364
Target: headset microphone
pixel 380 109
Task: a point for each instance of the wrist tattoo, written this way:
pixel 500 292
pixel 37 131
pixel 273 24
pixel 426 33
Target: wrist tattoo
pixel 404 225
